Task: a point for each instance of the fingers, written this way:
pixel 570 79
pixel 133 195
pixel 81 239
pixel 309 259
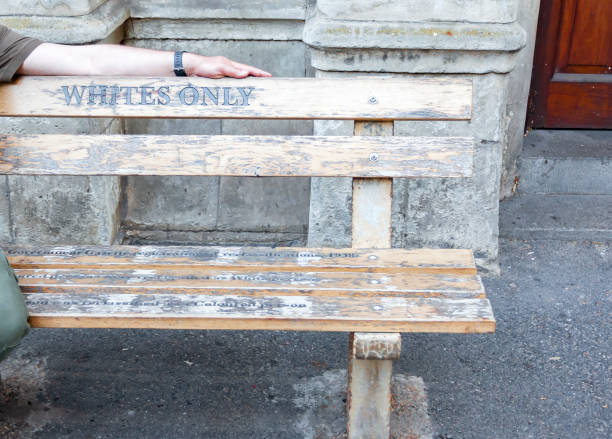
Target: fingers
pixel 220 67
pixel 234 70
pixel 250 70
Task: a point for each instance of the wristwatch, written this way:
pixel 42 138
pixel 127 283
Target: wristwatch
pixel 178 63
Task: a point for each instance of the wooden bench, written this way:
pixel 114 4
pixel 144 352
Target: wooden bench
pixel 370 291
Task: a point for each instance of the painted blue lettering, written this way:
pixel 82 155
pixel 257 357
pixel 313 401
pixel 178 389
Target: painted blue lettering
pixel 114 92
pixel 245 95
pixel 214 97
pixel 93 94
pixel 145 96
pixel 162 93
pixel 194 95
pixel 227 97
pixel 73 93
pixel 128 94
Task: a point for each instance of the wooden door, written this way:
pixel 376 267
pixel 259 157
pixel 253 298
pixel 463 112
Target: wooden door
pixel 571 85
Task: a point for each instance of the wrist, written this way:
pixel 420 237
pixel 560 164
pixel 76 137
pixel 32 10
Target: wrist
pixel 189 63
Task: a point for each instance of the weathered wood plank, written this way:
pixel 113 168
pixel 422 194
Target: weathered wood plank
pixel 251 283
pixel 63 154
pixel 272 313
pixel 371 226
pixel 296 259
pixel 270 98
pixel 369 381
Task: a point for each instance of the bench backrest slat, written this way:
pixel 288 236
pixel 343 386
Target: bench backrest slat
pixel 236 155
pixel 252 98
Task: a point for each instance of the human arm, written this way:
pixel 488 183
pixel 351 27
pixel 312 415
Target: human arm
pixel 116 60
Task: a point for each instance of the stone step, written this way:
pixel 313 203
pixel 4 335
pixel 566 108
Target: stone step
pixel 562 217
pixel 566 162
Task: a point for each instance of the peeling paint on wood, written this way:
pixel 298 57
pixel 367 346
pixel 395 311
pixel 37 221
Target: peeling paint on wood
pixel 448 261
pixel 268 98
pixel 249 282
pixel 166 311
pixel 272 156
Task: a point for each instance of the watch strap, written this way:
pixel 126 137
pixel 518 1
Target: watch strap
pixel 178 63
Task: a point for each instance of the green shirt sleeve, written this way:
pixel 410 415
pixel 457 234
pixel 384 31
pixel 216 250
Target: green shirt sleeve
pixel 14 49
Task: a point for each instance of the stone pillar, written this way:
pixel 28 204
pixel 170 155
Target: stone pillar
pixel 401 38
pixel 53 209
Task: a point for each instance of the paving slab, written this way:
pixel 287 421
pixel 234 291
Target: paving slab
pixel 566 162
pixel 535 216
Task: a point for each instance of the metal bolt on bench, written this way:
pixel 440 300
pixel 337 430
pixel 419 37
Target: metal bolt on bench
pixel 371 291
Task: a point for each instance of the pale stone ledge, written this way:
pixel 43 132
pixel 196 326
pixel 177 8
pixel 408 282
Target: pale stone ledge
pixel 65 8
pixel 321 32
pixel 217 29
pixel 475 11
pixel 412 61
pixel 258 9
pixel 72 30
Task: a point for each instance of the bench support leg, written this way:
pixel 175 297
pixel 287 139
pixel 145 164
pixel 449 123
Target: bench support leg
pixel 371 358
pixel 371 355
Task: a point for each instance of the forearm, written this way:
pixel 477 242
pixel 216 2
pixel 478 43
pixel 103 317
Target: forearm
pixel 102 60
pixel 116 60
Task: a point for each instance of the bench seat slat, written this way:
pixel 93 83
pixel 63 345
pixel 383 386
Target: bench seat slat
pixel 296 259
pixel 273 313
pixel 269 98
pixel 259 283
pixel 271 156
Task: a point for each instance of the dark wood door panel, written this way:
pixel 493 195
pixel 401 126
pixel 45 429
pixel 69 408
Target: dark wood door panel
pixel 591 37
pixel 572 77
pixel 583 103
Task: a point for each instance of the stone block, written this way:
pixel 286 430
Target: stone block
pixel 171 203
pixel 244 9
pixel 475 11
pixel 65 8
pixel 253 127
pixel 452 213
pixel 173 126
pixel 215 29
pixel 214 237
pixel 264 204
pixel 63 210
pixel 97 26
pixel 330 219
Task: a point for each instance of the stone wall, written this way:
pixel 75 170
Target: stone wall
pixel 479 39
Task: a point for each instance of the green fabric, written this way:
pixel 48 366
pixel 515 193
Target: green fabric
pixel 13 312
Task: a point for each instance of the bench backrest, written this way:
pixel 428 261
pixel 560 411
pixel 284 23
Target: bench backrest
pixel 363 99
